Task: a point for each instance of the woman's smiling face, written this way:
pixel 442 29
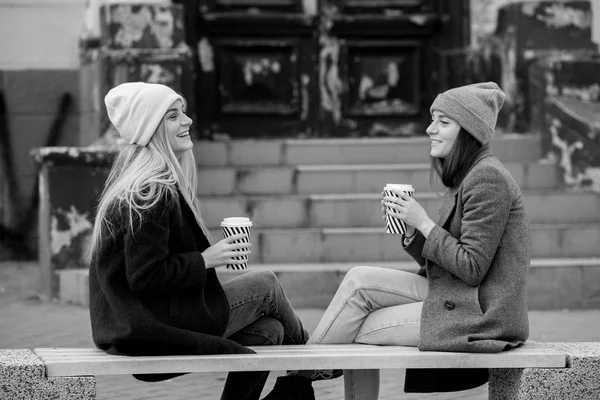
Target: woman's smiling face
pixel 443 132
pixel 178 128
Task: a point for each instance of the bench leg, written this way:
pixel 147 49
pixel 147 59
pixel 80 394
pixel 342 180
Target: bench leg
pixel 23 377
pixel 579 381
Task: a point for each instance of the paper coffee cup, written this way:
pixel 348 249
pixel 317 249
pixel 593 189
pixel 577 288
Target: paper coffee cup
pixel 394 225
pixel 233 226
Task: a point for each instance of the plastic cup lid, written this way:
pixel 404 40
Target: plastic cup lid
pixel 236 221
pixel 399 186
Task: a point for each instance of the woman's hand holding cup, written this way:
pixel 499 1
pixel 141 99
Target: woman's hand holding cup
pixel 407 209
pixel 226 252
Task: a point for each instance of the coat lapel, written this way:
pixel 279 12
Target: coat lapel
pixel 450 198
pixel 447 207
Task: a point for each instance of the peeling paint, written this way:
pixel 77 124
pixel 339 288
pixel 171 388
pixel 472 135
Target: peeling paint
pixel 566 153
pixel 163 27
pixel 256 70
pixel 78 224
pixel 419 19
pixel 206 55
pixel 309 7
pixel 330 84
pixel 561 15
pixel 157 73
pixel 305 97
pixel 132 25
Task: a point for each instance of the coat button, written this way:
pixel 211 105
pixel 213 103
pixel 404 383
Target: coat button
pixel 449 305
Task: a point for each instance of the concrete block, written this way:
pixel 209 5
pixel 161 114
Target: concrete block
pixel 211 154
pixel 316 181
pixel 286 212
pixel 214 209
pixel 357 151
pixel 293 246
pixel 565 240
pixel 550 288
pixel 38 91
pixel 345 211
pixel 581 241
pixel 350 245
pixel 266 180
pixel 545 241
pixel 591 286
pixel 517 147
pixel 557 207
pixel 22 377
pixel 577 382
pixel 374 181
pixel 216 181
pixel 359 179
pixel 256 152
pixel 541 176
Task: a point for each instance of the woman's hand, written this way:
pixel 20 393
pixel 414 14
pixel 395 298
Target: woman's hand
pixel 222 252
pixel 408 210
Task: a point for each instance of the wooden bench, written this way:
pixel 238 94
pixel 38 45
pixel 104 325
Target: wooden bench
pixel 533 371
pixel 84 362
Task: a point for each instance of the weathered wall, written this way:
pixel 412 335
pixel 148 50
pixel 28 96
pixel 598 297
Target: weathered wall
pixel 38 66
pixel 484 12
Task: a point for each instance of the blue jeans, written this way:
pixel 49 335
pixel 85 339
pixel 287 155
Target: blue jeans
pixel 259 314
pixel 372 306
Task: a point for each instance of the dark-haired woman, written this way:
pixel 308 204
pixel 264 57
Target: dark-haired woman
pixel 469 294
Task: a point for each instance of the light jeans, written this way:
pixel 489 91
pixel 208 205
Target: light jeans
pixel 372 306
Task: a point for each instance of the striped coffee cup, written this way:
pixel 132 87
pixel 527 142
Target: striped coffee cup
pixel 394 225
pixel 233 226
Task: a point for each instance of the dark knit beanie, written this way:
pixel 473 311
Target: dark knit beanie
pixel 474 107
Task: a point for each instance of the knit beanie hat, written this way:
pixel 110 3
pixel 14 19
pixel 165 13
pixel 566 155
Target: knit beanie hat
pixel 474 107
pixel 136 109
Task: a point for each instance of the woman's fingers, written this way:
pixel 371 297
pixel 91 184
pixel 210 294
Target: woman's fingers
pixel 233 238
pixel 392 205
pixel 237 246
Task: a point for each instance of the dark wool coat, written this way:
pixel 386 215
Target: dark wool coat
pixel 476 261
pixel 150 293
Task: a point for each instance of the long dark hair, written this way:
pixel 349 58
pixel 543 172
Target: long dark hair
pixel 453 169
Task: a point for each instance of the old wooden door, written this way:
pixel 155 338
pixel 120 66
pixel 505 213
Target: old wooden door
pixel 329 68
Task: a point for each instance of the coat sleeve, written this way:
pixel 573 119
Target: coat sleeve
pixel 486 202
pixel 150 266
pixel 415 247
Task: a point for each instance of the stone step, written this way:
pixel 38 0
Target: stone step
pixel 554 283
pixel 364 209
pixel 317 245
pixel 347 178
pixel 508 147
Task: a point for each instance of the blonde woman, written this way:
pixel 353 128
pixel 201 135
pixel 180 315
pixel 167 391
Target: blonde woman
pixel 153 285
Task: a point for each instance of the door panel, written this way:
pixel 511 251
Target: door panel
pixel 285 68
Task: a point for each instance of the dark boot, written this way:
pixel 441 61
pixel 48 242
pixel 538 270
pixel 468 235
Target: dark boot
pixel 292 387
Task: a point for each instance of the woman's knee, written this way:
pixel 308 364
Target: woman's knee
pixel 358 276
pixel 265 281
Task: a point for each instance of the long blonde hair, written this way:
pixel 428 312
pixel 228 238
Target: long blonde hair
pixel 139 178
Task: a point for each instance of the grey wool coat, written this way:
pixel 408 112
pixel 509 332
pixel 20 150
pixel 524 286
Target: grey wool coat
pixel 476 261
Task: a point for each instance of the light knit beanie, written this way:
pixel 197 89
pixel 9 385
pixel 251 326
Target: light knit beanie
pixel 136 109
pixel 474 107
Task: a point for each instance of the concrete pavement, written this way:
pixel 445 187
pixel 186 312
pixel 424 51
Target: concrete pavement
pixel 28 322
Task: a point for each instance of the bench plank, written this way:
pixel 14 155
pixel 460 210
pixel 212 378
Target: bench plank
pixel 90 361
